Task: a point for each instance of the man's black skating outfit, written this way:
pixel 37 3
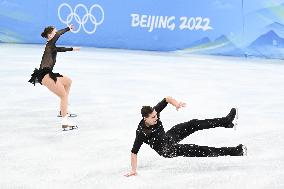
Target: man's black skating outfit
pixel 166 144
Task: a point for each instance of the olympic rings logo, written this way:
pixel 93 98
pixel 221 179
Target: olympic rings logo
pixel 82 21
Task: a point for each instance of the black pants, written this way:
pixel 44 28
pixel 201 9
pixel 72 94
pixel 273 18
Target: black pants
pixel 182 130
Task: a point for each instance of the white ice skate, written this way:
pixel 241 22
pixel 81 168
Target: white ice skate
pixel 67 124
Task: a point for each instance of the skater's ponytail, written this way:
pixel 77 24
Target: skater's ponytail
pixel 146 111
pixel 47 31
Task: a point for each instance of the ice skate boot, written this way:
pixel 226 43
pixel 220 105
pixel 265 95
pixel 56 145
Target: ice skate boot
pixel 68 113
pixel 67 124
pixel 233 118
pixel 241 150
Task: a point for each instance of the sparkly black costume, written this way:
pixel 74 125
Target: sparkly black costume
pixel 166 144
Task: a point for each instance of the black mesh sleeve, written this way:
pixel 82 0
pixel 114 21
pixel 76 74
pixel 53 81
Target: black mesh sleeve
pixel 161 105
pixel 58 34
pixel 63 49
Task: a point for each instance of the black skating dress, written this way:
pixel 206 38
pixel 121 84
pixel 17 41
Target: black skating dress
pixel 49 59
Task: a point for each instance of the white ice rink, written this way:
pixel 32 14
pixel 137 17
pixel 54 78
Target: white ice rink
pixel 109 88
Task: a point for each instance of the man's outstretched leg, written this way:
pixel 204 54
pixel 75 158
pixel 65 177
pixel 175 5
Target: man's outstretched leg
pixel 192 150
pixel 182 130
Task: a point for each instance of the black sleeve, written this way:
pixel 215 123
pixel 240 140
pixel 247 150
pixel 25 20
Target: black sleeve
pixel 161 105
pixel 58 34
pixel 63 49
pixel 137 143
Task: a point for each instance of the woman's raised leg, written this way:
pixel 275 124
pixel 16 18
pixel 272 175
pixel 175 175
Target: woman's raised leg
pixel 66 81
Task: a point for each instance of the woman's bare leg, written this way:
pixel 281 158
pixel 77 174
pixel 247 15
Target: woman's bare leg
pixel 58 89
pixel 66 81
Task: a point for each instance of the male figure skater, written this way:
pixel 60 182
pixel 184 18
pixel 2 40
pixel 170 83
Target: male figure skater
pixel 151 131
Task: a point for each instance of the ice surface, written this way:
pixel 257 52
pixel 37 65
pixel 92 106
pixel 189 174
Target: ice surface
pixel 109 88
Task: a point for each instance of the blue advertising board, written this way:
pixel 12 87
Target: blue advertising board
pixel 219 27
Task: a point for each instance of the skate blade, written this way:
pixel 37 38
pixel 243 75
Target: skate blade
pixel 69 128
pixel 245 150
pixel 69 115
pixel 235 121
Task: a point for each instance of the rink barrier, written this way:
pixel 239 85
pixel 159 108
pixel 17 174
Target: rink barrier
pixel 223 27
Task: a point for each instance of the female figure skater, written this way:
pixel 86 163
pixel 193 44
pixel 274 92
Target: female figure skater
pixel 151 131
pixel 55 82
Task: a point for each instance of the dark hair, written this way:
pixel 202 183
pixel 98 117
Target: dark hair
pixel 47 31
pixel 146 111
